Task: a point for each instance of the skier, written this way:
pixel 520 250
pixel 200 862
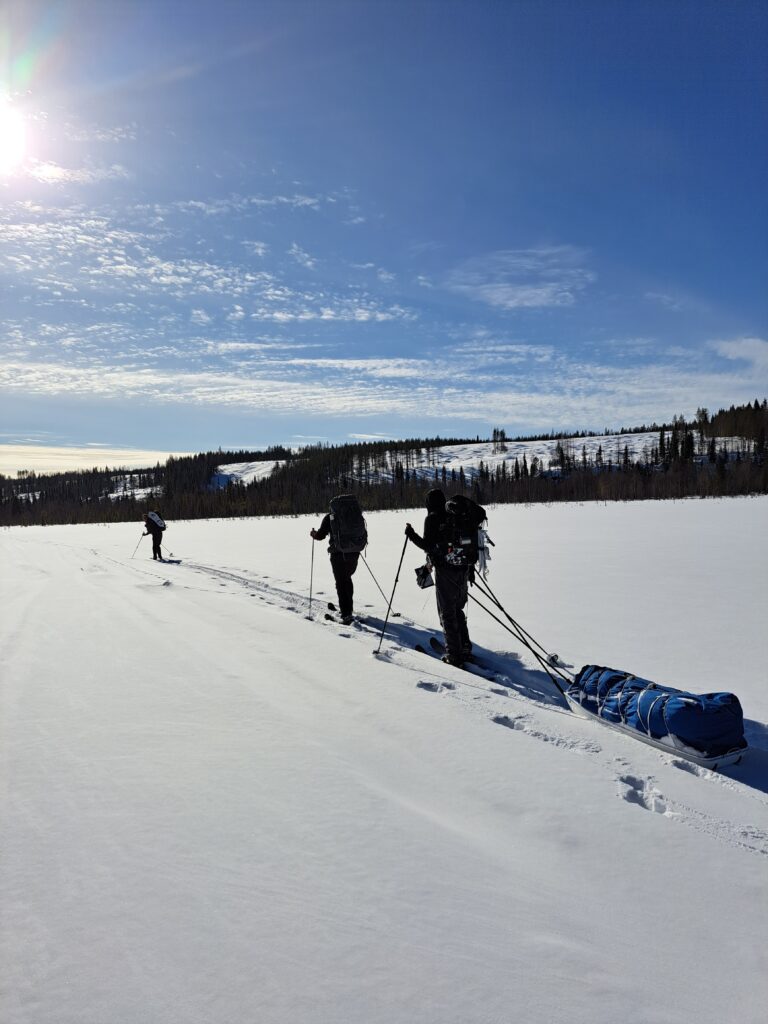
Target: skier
pixel 154 526
pixel 348 537
pixel 451 580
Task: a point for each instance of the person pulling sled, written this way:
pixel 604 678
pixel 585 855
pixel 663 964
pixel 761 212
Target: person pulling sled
pixel 345 526
pixel 452 546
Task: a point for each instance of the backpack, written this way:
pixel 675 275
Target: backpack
pixel 462 537
pixel 348 532
pixel 156 519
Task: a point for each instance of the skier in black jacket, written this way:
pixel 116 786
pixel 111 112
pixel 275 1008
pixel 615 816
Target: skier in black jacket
pixel 451 582
pixel 152 528
pixel 343 565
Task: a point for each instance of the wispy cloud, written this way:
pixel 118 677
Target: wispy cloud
pixel 583 394
pixel 99 133
pixel 752 351
pixel 256 248
pixel 342 310
pixel 302 257
pixel 676 301
pixel 540 278
pixel 50 173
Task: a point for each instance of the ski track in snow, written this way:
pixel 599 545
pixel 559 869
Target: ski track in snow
pixel 645 793
pixel 476 695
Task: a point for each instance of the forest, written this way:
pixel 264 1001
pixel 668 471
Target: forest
pixel 722 454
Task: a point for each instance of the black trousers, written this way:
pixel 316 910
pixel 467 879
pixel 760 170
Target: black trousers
pixel 452 591
pixel 157 539
pixel 343 570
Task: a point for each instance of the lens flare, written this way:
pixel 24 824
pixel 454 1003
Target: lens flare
pixel 13 138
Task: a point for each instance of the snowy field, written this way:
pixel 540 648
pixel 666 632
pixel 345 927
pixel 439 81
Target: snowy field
pixel 216 810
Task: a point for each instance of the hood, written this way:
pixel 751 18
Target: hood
pixel 435 501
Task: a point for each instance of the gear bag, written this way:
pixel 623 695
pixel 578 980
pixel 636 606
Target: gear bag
pixel 463 538
pixel 348 532
pixel 156 519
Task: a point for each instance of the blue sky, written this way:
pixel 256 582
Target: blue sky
pixel 227 224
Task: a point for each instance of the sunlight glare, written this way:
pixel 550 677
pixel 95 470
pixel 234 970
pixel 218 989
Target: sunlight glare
pixel 12 138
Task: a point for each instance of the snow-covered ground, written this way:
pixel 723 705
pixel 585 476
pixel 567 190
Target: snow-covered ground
pixel 216 810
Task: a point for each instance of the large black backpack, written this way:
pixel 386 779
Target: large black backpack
pixel 157 520
pixel 348 532
pixel 460 534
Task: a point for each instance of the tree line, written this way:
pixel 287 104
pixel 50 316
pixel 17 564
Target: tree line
pixel 710 455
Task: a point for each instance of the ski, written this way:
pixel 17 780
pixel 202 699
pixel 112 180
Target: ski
pixel 357 622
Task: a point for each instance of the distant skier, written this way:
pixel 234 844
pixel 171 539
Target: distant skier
pixel 348 537
pixel 445 543
pixel 154 526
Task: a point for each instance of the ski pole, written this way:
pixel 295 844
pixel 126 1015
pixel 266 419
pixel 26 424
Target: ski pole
pixel 524 642
pixel 394 614
pixel 394 587
pixel 311 577
pixel 487 592
pixel 137 546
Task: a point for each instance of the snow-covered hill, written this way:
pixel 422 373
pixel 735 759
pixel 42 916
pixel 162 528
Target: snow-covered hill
pixel 217 810
pixel 470 457
pixel 243 472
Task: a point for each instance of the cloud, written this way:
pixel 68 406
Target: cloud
pixel 487 351
pixel 236 347
pixel 379 368
pixel 676 302
pixel 584 394
pixel 97 133
pixel 54 174
pixel 523 278
pixel 37 458
pixel 257 248
pixel 342 310
pixel 753 351
pixel 302 257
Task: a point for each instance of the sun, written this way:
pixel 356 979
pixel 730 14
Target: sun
pixel 13 138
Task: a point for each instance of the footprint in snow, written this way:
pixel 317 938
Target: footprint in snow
pixel 643 793
pixel 510 721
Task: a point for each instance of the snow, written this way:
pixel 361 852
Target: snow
pixel 244 472
pixel 217 810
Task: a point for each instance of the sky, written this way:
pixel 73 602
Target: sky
pixel 237 224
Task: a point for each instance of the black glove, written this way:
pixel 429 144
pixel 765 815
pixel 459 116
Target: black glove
pixel 410 533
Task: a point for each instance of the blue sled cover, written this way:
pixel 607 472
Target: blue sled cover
pixel 705 728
